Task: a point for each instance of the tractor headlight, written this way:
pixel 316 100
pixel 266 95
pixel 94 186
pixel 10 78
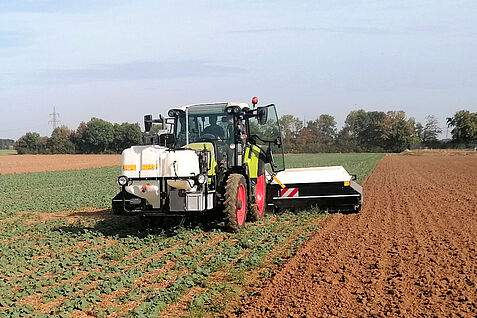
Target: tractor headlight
pixel 201 179
pixel 123 180
pixel 233 110
pixel 171 113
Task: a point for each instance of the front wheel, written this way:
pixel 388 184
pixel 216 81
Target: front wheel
pixel 235 204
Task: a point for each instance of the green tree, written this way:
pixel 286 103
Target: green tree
pixel 126 135
pixel 60 142
pixel 323 128
pixel 306 141
pixel 464 129
pixel 398 132
pixel 291 127
pixel 6 143
pixel 98 136
pixel 30 143
pixel 364 129
pixel 76 138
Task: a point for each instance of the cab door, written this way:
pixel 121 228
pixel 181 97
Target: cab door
pixel 264 131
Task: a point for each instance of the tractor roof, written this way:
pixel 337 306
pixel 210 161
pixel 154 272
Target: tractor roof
pixel 212 105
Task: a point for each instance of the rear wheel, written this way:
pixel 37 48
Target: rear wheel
pixel 235 204
pixel 257 210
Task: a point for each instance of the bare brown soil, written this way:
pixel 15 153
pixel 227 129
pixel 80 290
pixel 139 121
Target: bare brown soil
pixel 90 213
pixel 410 252
pixel 37 163
pixel 442 152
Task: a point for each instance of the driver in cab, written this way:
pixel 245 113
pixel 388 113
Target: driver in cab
pixel 214 129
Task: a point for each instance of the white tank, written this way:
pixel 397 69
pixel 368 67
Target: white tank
pixel 155 161
pixel 142 161
pixel 151 162
pixel 131 162
pixel 180 163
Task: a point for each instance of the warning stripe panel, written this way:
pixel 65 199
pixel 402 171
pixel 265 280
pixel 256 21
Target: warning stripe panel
pixel 289 192
pixel 294 193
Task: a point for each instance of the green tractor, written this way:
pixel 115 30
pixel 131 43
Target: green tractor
pixel 214 157
pixel 224 160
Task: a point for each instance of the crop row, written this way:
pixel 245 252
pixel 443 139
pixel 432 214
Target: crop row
pixel 57 190
pixel 79 277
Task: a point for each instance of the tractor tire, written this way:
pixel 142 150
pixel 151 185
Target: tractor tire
pixel 235 204
pixel 258 208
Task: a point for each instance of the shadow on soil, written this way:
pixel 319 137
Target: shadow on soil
pixel 109 224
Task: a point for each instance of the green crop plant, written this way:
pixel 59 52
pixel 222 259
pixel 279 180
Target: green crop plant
pixel 57 190
pixel 72 265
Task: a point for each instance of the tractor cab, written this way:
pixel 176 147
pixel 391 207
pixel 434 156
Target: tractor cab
pixel 229 129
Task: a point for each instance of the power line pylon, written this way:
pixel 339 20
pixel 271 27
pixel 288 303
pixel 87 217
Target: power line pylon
pixel 54 119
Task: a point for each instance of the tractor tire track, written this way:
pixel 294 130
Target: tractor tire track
pixel 410 252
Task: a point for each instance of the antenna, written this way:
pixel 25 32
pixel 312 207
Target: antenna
pixel 54 119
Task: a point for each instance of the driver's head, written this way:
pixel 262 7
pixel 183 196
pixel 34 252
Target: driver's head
pixel 213 119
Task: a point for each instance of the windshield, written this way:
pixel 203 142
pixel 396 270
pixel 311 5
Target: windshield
pixel 205 123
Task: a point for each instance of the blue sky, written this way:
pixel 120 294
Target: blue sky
pixel 119 60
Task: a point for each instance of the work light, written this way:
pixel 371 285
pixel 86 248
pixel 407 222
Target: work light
pixel 123 180
pixel 201 179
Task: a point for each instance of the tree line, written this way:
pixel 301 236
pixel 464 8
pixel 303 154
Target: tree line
pixel 375 131
pixel 363 131
pixel 6 143
pixel 95 136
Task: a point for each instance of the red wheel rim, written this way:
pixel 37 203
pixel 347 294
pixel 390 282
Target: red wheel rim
pixel 241 196
pixel 260 194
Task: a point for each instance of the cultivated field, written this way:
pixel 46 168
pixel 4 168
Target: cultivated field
pixel 411 252
pixel 64 254
pixel 35 163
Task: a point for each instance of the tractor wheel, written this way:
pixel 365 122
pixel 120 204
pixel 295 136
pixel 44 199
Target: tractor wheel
pixel 257 210
pixel 235 204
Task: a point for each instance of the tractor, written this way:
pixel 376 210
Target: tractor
pixel 223 159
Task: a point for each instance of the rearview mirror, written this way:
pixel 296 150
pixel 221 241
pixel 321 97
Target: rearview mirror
pixel 147 122
pixel 262 115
